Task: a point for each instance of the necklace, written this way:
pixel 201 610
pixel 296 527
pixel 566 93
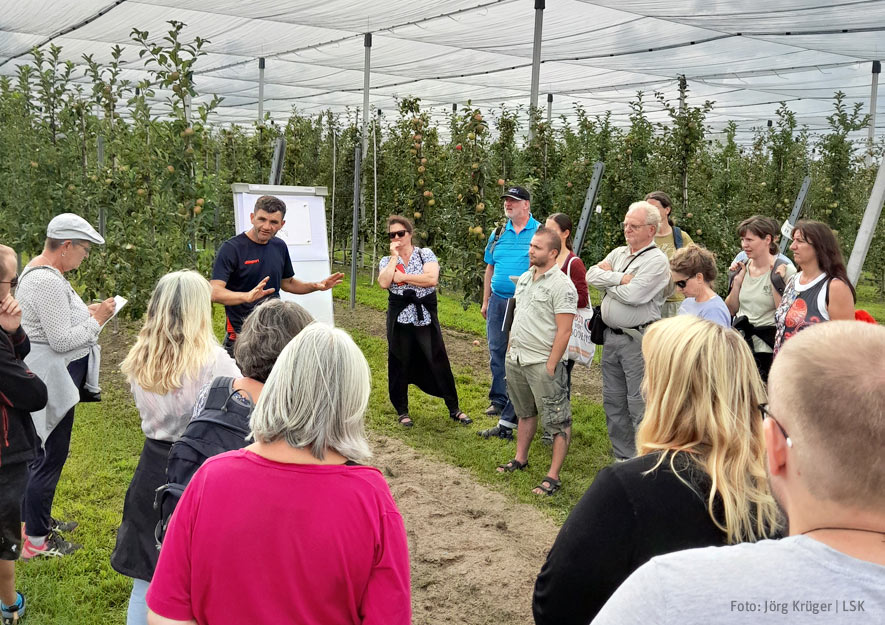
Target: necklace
pixel 846 529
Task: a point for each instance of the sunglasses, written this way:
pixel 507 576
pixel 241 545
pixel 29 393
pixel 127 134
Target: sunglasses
pixel 12 283
pixel 397 234
pixel 680 283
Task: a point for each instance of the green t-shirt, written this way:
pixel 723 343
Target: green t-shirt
pixel 756 301
pixel 668 246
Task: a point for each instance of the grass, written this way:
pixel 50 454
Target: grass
pixel 83 589
pixel 436 436
pixel 869 300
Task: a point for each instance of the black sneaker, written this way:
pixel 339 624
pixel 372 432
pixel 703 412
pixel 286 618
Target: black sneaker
pixel 55 546
pixel 497 431
pixel 62 526
pixel 494 410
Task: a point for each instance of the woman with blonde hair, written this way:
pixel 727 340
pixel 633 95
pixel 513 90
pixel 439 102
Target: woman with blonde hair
pixel 698 478
pixel 291 523
pixel 174 357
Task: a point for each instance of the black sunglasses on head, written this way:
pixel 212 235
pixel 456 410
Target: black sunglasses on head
pixel 397 234
pixel 12 283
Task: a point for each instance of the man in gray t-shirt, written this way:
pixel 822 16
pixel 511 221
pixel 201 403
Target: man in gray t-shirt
pixel 824 434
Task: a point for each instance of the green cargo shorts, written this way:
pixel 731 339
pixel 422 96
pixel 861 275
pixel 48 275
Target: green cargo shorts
pixel 534 393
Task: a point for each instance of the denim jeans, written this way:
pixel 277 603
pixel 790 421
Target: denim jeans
pixel 136 613
pixel 497 353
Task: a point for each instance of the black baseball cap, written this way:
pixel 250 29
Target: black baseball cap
pixel 517 193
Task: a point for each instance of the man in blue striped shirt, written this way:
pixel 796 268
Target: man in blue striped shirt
pixel 506 255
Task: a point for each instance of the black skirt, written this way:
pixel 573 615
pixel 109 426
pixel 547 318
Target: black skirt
pixel 136 554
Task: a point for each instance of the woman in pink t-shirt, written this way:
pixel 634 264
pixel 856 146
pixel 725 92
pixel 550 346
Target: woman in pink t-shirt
pixel 291 529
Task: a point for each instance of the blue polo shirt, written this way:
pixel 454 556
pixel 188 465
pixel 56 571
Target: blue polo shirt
pixel 511 256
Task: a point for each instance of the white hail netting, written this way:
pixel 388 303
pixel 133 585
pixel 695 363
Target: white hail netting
pixel 745 56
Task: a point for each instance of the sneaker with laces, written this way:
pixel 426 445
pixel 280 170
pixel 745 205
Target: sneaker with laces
pixel 62 526
pixel 55 546
pixel 11 614
pixel 497 431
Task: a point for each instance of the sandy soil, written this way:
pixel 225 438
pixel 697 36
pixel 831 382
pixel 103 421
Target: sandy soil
pixel 475 553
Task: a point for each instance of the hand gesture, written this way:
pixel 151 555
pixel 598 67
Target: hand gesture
pixel 259 291
pixel 625 279
pixel 10 314
pixel 104 310
pixel 605 265
pixel 333 280
pixel 399 277
pixel 781 270
pixel 394 250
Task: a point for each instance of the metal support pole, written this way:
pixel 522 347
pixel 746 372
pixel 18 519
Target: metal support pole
pixel 787 228
pixel 261 90
pixel 279 157
pixel 586 212
pixel 549 108
pixel 187 99
pixel 867 226
pixel 367 45
pixel 334 172
pixel 354 239
pixel 536 61
pixel 375 200
pixel 871 136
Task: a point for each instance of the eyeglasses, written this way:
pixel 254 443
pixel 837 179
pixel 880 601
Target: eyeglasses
pixel 627 226
pixel 766 414
pixel 12 283
pixel 396 234
pixel 680 283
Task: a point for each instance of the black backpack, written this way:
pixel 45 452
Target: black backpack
pixel 223 425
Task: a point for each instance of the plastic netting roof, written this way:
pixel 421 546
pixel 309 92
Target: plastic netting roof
pixel 745 56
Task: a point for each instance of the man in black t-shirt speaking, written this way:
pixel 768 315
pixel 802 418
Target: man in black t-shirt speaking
pixel 255 265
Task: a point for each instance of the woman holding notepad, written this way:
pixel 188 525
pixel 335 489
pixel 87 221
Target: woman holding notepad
pixel 63 332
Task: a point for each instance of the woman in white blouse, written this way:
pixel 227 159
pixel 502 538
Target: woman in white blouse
pixel 174 356
pixel 63 333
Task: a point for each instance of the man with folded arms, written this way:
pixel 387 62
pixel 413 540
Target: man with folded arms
pixel 633 280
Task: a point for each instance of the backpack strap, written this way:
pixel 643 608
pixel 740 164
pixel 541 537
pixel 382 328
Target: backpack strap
pixel 777 282
pixel 677 237
pixel 568 268
pixel 497 235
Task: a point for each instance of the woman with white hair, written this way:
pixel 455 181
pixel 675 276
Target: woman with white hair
pixel 291 528
pixel 698 479
pixel 175 355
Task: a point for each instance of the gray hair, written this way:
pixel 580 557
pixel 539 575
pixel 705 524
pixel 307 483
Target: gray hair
pixel 53 244
pixel 266 331
pixel 316 395
pixel 652 214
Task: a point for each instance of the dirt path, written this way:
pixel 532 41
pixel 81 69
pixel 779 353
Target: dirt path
pixel 475 553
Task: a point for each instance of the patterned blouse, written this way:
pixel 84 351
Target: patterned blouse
pixel 53 313
pixel 415 266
